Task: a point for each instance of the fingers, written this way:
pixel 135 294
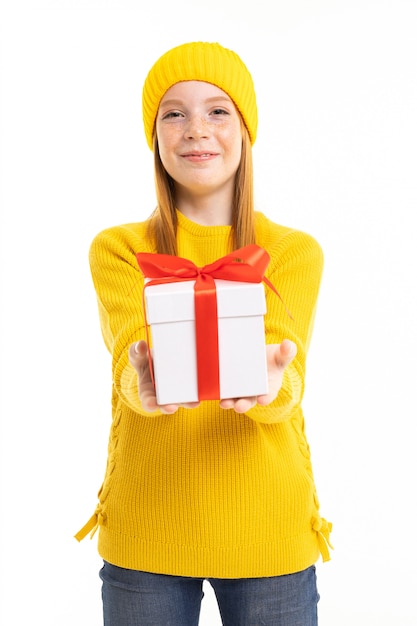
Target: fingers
pixel 138 355
pixel 280 356
pixel 168 409
pixel 239 405
pixel 139 359
pixel 288 351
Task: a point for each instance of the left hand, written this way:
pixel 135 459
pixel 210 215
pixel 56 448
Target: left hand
pixel 279 356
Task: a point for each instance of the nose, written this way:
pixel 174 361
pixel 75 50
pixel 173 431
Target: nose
pixel 197 127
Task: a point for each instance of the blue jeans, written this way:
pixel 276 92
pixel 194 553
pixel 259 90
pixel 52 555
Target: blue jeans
pixel 133 598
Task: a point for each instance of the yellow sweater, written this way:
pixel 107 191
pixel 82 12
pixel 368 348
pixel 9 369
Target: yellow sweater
pixel 208 492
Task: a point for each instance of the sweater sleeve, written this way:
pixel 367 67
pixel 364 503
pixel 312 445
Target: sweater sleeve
pixel 118 283
pixel 295 271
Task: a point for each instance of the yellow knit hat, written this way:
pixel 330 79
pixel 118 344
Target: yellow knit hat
pixel 208 62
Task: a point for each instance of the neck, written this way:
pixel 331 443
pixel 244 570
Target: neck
pixel 208 209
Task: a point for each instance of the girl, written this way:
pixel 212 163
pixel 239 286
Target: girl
pixel 214 490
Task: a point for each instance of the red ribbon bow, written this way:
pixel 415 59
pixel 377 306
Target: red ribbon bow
pixel 246 264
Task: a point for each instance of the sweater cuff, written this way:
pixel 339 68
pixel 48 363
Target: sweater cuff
pixel 288 398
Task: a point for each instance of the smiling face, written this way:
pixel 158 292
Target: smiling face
pixel 200 140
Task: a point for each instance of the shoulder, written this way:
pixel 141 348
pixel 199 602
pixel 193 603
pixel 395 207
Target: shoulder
pixel 284 243
pixel 122 240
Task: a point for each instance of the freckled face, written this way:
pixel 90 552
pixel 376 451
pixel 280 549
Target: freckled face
pixel 199 136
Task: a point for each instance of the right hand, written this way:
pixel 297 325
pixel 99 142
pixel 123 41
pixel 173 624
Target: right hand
pixel 138 357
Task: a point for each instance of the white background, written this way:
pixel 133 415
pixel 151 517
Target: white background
pixel 335 156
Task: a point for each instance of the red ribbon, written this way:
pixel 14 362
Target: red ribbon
pixel 246 264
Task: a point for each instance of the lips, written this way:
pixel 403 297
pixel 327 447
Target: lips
pixel 199 156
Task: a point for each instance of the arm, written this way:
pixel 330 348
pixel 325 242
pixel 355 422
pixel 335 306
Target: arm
pixel 119 285
pixel 296 270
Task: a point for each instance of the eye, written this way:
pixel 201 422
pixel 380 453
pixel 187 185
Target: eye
pixel 220 111
pixel 171 115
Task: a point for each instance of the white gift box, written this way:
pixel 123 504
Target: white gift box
pixel 241 308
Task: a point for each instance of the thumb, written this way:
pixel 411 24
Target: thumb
pixel 287 351
pixel 138 354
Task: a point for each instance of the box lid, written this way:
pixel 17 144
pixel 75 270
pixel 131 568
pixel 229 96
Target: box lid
pixel 174 302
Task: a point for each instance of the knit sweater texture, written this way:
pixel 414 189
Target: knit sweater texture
pixel 208 492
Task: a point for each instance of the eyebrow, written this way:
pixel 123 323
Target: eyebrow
pixel 172 101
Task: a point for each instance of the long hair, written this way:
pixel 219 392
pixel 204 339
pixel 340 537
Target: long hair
pixel 163 221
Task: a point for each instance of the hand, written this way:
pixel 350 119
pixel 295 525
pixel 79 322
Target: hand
pixel 138 357
pixel 278 356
